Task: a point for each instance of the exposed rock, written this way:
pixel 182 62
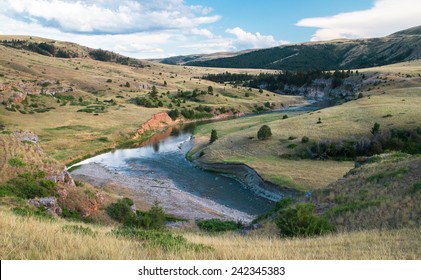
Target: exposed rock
pixel 26 136
pixel 250 178
pixel 157 121
pixel 18 97
pixel 63 177
pixel 50 203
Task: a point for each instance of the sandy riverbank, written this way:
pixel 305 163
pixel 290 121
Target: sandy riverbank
pixel 174 201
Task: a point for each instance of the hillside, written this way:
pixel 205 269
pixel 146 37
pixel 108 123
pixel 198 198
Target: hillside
pixel 383 193
pixel 183 59
pixel 330 55
pixel 390 96
pixel 79 105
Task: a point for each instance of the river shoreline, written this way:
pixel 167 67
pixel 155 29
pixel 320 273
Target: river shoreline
pixel 250 178
pixel 173 200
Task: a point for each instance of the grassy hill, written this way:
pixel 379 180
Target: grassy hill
pixel 330 55
pixel 391 97
pixel 80 105
pixel 381 194
pixel 34 238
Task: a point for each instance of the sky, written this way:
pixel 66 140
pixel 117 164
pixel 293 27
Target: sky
pixel 163 28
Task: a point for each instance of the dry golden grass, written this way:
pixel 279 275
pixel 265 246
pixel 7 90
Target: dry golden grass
pixel 29 238
pixel 87 76
pixel 27 153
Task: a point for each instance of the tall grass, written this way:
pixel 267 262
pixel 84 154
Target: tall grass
pixel 31 238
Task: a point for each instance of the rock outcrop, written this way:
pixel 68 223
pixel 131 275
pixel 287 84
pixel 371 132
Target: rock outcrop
pixel 157 121
pixel 50 203
pixel 250 178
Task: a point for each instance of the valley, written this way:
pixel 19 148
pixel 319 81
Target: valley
pixel 138 179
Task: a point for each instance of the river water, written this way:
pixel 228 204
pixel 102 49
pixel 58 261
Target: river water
pixel 163 158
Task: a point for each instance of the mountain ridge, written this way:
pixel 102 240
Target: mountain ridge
pixel 345 54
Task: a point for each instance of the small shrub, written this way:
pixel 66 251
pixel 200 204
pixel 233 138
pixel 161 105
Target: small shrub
pixel 15 162
pixel 216 225
pixel 319 121
pixel 416 187
pixel 78 183
pixel 121 210
pixel 78 230
pixel 300 220
pixel 375 129
pixel 305 139
pixel 174 114
pixel 28 185
pixel 103 139
pixel 285 117
pixel 292 146
pixel 214 136
pixel 264 132
pixel 32 212
pixel 161 239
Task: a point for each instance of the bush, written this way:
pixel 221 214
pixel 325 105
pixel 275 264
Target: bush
pixel 214 136
pixel 305 139
pixel 78 230
pixel 216 225
pixel 121 210
pixel 15 162
pixel 264 133
pixel 39 212
pixel 174 114
pixel 161 239
pixel 156 217
pixel 375 129
pixel 29 185
pixel 300 220
pixel 416 187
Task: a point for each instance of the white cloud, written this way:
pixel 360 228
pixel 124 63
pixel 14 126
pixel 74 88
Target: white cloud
pixel 110 17
pixel 384 18
pixel 247 40
pixel 136 28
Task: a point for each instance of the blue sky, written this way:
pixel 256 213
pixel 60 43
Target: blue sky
pixel 162 28
pixel 275 17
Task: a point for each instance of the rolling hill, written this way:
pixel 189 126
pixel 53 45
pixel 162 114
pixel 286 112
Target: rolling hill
pixel 330 55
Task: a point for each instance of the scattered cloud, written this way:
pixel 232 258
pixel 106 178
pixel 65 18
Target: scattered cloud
pixel 110 17
pixel 137 28
pixel 247 40
pixel 384 18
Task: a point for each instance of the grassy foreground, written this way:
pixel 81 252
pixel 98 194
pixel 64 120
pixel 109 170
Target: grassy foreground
pixel 31 238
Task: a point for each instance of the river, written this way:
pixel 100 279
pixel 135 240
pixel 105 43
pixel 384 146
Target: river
pixel 163 159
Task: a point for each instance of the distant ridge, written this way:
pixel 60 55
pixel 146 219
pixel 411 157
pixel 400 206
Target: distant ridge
pixel 329 55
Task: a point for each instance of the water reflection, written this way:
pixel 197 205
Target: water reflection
pixel 164 158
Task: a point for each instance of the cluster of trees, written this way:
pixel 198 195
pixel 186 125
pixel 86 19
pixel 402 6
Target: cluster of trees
pixel 274 82
pixel 407 141
pixel 228 77
pixel 40 48
pixel 108 56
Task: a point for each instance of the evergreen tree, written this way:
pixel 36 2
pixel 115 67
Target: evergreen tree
pixel 214 136
pixel 264 133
